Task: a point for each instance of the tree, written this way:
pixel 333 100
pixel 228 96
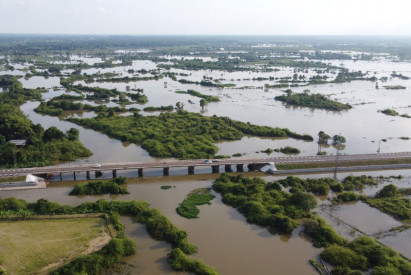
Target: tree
pixel 203 103
pixel 52 133
pixel 388 191
pixel 73 134
pixel 337 139
pixel 304 200
pixel 110 113
pixel 323 137
pixel 180 106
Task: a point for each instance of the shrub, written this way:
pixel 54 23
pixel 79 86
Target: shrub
pixel 321 233
pixel 341 256
pixel 388 191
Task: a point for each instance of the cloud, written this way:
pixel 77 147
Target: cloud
pixel 101 9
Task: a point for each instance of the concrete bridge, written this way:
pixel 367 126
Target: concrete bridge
pixel 251 163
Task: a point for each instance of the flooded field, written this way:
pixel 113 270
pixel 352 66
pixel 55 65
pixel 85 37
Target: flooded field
pixel 224 238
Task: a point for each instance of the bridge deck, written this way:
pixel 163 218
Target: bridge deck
pixel 67 168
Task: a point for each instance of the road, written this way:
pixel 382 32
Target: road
pixel 70 168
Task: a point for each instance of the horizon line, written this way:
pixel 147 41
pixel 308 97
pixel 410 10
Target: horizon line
pixel 289 35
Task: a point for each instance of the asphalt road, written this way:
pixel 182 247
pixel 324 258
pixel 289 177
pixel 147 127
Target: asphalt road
pixel 70 168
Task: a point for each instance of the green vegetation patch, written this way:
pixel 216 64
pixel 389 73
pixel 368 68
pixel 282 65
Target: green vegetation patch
pixel 395 87
pixel 265 204
pixel 188 208
pixel 100 187
pixel 180 135
pixel 322 186
pixel 390 112
pixel 168 108
pixel 318 101
pixel 399 208
pixel 110 255
pixel 30 245
pixel 166 187
pixel 365 253
pixel 288 150
pixel 56 108
pixel 180 262
pixel 389 201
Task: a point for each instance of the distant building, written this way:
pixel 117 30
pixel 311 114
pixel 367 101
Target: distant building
pixel 20 143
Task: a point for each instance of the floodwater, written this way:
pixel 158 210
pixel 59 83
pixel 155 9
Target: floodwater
pixel 224 239
pixel 363 126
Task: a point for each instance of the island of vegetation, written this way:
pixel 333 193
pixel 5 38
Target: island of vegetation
pixel 267 204
pixel 285 150
pixel 157 225
pixel 207 98
pixel 306 99
pixel 168 108
pixel 188 208
pixel 57 108
pixel 395 87
pixel 181 135
pixel 100 187
pixel 288 150
pixel 392 112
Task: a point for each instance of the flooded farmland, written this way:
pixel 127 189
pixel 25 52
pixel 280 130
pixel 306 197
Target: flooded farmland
pixel 245 93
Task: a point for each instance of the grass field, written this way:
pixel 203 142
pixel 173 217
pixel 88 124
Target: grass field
pixel 28 246
pixel 289 166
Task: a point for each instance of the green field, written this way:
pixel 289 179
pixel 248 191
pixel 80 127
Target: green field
pixel 30 246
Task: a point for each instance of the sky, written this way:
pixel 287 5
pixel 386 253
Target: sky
pixel 207 17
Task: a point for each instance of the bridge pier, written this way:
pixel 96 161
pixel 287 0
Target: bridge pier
pixel 191 170
pixel 215 169
pixel 240 168
pixel 114 174
pixel 140 172
pixel 88 175
pixel 228 168
pixel 251 167
pixel 166 171
pixel 74 175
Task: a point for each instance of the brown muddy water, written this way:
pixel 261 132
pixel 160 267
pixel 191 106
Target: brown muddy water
pixel 223 237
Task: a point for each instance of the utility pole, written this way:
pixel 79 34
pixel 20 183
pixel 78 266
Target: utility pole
pixel 338 144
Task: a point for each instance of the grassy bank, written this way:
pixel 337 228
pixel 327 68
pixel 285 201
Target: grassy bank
pixel 289 166
pixel 27 246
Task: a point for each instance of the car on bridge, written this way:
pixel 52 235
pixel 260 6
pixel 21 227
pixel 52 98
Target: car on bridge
pixel 208 161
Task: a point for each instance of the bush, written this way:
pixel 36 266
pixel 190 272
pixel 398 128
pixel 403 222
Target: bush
pixel 388 191
pixel 188 207
pixel 321 233
pixel 346 196
pixel 304 200
pixel 385 270
pixel 100 187
pixel 341 256
pixel 180 262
